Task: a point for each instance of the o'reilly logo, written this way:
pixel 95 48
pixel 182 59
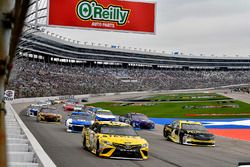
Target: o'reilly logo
pixel 92 11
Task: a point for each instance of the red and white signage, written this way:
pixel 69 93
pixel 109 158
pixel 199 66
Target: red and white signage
pixel 103 14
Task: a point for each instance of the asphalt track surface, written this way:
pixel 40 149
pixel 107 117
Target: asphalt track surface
pixel 66 151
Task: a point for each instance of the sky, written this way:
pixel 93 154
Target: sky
pixel 208 27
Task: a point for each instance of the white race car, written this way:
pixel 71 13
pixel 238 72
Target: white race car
pixel 104 115
pixel 78 107
pixel 77 120
pixel 39 104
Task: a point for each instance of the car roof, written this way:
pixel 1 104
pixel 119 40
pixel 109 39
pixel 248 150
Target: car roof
pixel 112 123
pixel 104 110
pixel 80 113
pixel 135 113
pixel 46 109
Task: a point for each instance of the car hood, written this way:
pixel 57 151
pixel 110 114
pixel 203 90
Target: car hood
pixel 81 121
pixel 105 116
pixel 144 121
pixel 197 132
pixel 127 140
pixel 49 114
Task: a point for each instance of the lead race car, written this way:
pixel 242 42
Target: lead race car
pixel 114 140
pixel 77 120
pixel 138 120
pixel 188 133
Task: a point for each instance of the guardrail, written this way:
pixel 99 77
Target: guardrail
pixel 23 148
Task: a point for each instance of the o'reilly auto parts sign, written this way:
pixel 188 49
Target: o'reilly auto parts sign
pixel 103 14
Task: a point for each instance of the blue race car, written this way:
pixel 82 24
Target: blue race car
pixel 77 120
pixel 33 110
pixel 138 120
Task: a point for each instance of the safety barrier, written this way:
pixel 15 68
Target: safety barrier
pixel 23 150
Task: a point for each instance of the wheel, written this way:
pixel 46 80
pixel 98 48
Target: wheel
pixel 84 143
pixel 97 149
pixel 182 138
pixel 165 134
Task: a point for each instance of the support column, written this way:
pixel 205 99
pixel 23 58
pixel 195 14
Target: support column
pixel 5 33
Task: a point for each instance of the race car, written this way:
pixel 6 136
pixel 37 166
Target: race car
pixel 72 101
pixel 92 109
pixel 78 107
pixel 39 104
pixel 84 100
pixel 32 111
pixel 188 133
pixel 49 115
pixel 104 115
pixel 68 107
pixel 77 120
pixel 114 140
pixel 138 120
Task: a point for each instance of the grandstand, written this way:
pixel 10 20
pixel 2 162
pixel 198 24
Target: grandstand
pixel 48 65
pixel 53 49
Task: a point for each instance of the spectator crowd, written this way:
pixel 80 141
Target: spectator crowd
pixel 33 79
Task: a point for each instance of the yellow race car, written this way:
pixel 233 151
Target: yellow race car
pixel 114 140
pixel 49 115
pixel 188 133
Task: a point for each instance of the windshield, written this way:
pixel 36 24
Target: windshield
pixel 78 106
pixel 48 110
pixel 139 117
pixel 118 130
pixel 193 127
pixel 82 117
pixel 104 112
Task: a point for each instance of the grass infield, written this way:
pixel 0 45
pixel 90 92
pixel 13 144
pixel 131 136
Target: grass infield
pixel 209 108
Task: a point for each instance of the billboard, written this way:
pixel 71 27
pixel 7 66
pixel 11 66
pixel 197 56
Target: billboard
pixel 115 15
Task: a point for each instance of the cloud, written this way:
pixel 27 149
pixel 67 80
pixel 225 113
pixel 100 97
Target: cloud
pixel 190 26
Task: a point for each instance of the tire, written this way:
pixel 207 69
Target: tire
pixel 84 143
pixel 182 136
pixel 181 140
pixel 165 134
pixel 97 153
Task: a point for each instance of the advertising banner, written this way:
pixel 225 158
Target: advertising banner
pixel 9 95
pixel 115 15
